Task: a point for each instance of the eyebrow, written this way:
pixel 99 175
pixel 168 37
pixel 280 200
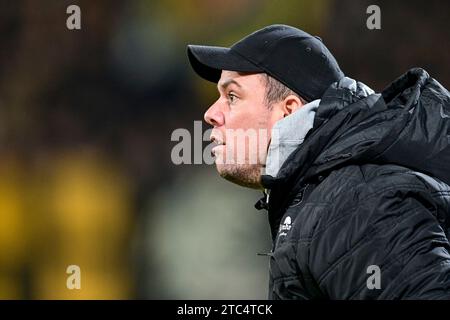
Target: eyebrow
pixel 226 83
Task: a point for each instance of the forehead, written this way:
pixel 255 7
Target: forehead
pixel 245 80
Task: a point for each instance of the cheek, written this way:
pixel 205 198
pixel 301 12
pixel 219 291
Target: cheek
pixel 248 116
pixel 255 123
pixel 254 138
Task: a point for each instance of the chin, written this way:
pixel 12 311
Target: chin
pixel 245 175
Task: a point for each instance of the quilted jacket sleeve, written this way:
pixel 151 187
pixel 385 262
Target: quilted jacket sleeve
pixel 385 243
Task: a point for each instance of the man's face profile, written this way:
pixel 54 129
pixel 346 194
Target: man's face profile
pixel 238 117
pixel 242 121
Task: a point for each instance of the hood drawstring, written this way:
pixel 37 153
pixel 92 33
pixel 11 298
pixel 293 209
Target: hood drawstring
pixel 263 203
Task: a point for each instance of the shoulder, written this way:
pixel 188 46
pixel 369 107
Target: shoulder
pixel 369 200
pixel 354 192
pixel 365 201
pixel 361 184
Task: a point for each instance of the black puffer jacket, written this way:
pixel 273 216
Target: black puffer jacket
pixel 368 186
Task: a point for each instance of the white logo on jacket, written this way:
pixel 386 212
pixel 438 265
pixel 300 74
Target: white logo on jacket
pixel 286 226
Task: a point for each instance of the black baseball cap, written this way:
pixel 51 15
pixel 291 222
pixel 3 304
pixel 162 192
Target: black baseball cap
pixel 292 56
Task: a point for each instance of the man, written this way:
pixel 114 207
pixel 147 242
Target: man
pixel 356 183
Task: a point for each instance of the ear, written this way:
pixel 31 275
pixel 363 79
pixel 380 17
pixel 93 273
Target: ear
pixel 291 104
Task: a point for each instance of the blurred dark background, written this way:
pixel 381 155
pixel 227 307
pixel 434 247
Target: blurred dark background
pixel 86 117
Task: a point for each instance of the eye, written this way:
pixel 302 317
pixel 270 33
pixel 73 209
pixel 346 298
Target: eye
pixel 232 97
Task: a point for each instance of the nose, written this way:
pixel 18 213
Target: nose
pixel 214 116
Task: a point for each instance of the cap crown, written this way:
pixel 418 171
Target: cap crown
pixel 294 57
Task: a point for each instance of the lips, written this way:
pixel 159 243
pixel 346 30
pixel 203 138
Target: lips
pixel 218 143
pixel 215 148
pixel 216 140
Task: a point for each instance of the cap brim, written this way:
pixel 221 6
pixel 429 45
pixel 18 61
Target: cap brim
pixel 208 62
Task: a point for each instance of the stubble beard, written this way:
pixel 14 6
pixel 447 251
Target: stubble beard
pixel 245 175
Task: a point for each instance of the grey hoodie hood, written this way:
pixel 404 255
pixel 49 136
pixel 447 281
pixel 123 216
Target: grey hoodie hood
pixel 287 134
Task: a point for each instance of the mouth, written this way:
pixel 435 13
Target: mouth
pixel 218 143
pixel 213 150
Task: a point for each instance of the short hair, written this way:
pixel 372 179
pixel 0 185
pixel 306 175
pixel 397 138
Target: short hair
pixel 277 91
